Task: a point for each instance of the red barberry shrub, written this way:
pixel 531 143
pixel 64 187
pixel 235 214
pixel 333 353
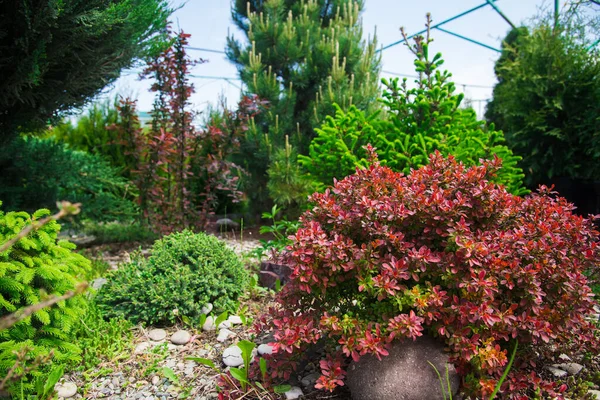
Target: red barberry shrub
pixel 445 252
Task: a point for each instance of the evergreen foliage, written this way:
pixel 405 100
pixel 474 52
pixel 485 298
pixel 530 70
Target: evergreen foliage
pixel 301 56
pixel 415 122
pixel 546 101
pixel 56 55
pixel 37 173
pixel 94 132
pixel 37 266
pixel 184 272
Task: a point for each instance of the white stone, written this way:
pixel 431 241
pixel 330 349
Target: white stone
pixel 141 347
pixel 181 337
pixel 294 393
pixel 232 356
pixel 559 373
pixel 157 335
pixel 235 320
pixel 265 349
pixel 571 368
pixel 66 390
pixel 209 324
pixel 224 334
pixel 207 308
pixel 155 380
pixel 98 283
pixel 224 324
pixel 564 357
pixel 595 393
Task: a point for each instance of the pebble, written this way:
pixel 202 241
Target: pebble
pixel 595 393
pixel 232 356
pixel 225 334
pixel 155 380
pixel 224 324
pixel 98 283
pixel 564 357
pixel 141 347
pixel 157 335
pixel 558 373
pixel 209 324
pixel 207 308
pixel 265 349
pixel 66 390
pixel 294 393
pixel 235 320
pixel 309 381
pixel 571 368
pixel 181 337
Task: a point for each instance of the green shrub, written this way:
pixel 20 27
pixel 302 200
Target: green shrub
pixel 546 101
pixel 103 340
pixel 184 272
pixel 94 133
pixel 36 266
pixel 414 123
pixel 118 232
pixel 36 173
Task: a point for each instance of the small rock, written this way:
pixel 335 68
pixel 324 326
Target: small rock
pixel 172 347
pixel 226 224
pixel 234 320
pixel 66 390
pixel 232 356
pixel 294 393
pixel 209 324
pixel 571 368
pixel 564 357
pixel 141 347
pixel 265 349
pixel 155 380
pixel 157 335
pixel 207 308
pixel 224 324
pixel 558 373
pixel 224 334
pixel 98 283
pixel 309 381
pixel 181 337
pixel 595 393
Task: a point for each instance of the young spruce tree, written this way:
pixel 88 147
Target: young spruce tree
pixel 301 56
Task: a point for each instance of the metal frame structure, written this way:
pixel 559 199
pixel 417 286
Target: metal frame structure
pixel 491 3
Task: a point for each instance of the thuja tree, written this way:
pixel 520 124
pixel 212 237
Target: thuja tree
pixel 302 57
pixel 416 121
pixel 56 55
pixel 546 100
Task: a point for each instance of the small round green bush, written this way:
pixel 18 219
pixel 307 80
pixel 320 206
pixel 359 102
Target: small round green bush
pixel 184 272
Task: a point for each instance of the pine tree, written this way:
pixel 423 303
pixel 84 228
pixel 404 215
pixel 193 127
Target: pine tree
pixel 302 57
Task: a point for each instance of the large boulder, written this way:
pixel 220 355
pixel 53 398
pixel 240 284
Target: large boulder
pixel 403 375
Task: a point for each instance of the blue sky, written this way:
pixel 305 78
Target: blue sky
pixel 209 21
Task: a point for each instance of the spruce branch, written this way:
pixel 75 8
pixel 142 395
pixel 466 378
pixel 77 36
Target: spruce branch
pixel 65 208
pixel 11 319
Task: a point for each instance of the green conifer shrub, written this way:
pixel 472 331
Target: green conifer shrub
pixel 184 272
pixel 36 266
pixel 415 122
pixel 36 173
pixel 546 100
